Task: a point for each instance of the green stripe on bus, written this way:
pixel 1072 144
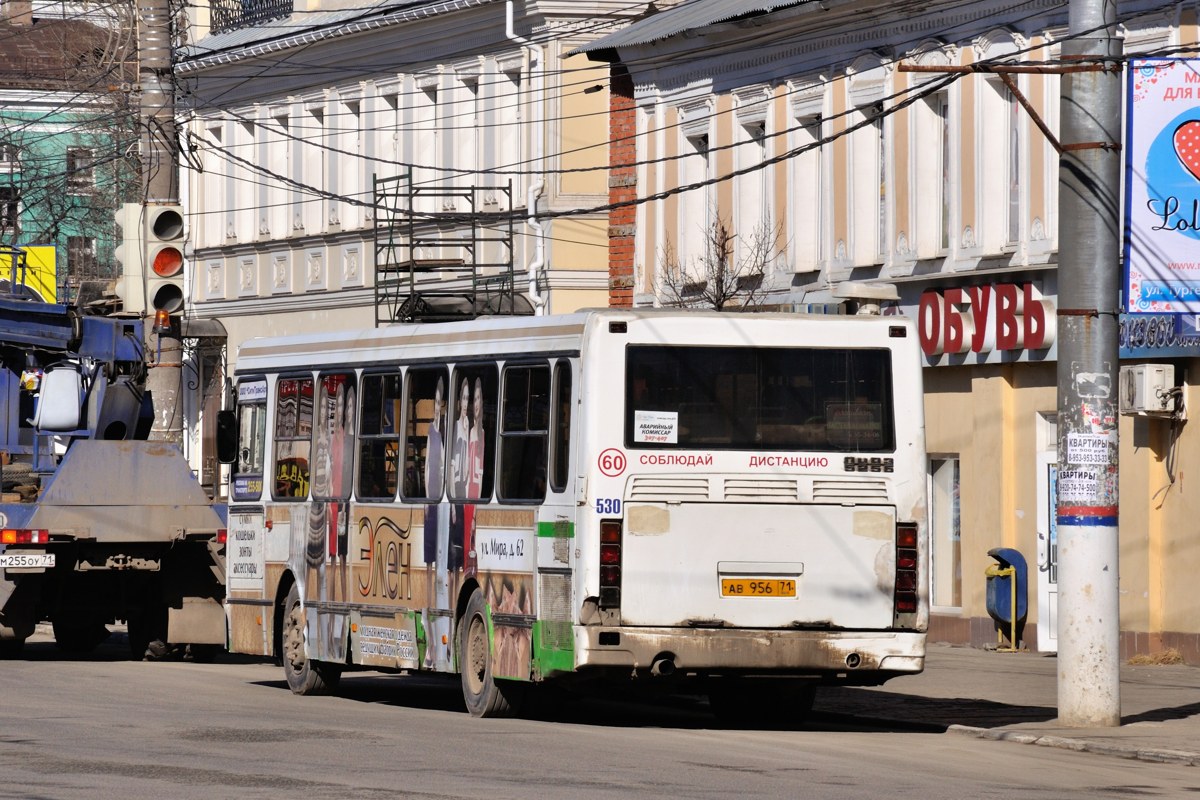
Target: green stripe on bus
pixel 560 529
pixel 553 648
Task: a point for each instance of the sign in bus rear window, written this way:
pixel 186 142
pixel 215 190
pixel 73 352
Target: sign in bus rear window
pixel 756 398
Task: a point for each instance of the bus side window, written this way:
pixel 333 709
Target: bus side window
pixel 293 437
pixel 473 432
pixel 251 443
pixel 333 456
pixel 379 437
pixel 560 446
pixel 425 435
pixel 523 439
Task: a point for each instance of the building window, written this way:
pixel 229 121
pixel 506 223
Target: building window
pixel 9 207
pixel 81 256
pixel 868 190
pixel 942 107
pixel 695 211
pixel 1014 168
pixel 510 135
pixel 80 178
pixel 945 533
pixel 998 148
pixel 10 158
pixel 931 190
pixel 881 164
pixel 807 195
pixel 754 233
pixel 426 137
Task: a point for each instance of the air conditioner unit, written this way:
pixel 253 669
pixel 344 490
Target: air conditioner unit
pixel 1146 390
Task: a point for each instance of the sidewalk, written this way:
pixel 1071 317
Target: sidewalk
pixel 1013 697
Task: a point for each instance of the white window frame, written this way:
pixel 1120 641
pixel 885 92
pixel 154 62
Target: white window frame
pixel 945 531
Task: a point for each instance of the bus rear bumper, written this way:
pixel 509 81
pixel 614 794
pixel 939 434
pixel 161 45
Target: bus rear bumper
pixel 847 656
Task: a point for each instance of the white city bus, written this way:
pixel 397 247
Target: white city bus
pixel 720 502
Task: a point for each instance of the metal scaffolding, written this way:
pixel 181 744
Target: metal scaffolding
pixel 445 264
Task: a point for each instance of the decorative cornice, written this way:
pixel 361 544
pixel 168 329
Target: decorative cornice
pixel 469 70
pixel 283 303
pixel 429 79
pixel 695 117
pixel 808 97
pixel 751 104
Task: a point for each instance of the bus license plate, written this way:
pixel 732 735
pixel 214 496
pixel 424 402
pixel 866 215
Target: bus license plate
pixel 758 587
pixel 26 560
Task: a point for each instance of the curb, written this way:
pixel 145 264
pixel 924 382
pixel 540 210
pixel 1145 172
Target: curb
pixel 1155 755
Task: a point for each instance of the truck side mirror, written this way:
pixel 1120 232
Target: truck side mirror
pixel 227 436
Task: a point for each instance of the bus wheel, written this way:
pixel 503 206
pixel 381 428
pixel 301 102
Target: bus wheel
pixel 484 696
pixel 746 703
pixel 303 676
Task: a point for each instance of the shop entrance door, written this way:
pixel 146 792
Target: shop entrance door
pixel 1047 553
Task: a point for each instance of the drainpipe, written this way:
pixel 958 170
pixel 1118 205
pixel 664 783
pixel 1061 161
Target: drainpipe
pixel 538 184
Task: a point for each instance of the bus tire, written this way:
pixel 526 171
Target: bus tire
pixel 304 676
pixel 747 703
pixel 484 695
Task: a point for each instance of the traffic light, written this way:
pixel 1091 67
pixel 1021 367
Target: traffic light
pixel 164 258
pixel 127 249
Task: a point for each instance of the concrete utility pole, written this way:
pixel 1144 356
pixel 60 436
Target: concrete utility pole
pixel 160 183
pixel 1089 257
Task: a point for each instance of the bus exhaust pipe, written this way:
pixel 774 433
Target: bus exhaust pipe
pixel 662 667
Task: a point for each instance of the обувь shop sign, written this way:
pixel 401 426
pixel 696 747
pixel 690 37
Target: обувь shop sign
pixel 985 320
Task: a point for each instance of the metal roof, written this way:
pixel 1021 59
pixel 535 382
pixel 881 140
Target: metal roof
pixel 684 17
pixel 307 27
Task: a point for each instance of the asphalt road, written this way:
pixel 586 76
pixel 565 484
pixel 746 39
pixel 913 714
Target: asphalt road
pixel 104 726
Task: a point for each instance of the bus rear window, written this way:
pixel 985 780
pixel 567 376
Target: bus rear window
pixel 759 398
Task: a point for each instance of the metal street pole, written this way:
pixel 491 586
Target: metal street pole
pixel 160 185
pixel 1088 280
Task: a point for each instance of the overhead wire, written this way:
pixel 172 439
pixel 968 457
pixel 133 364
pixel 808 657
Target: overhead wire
pixel 503 171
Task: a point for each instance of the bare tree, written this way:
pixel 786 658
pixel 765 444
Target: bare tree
pixel 62 189
pixel 717 278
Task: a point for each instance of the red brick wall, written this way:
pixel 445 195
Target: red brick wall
pixel 622 187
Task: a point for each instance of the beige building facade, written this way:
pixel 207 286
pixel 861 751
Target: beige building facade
pixel 872 142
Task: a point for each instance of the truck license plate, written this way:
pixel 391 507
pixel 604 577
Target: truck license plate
pixel 758 587
pixel 26 560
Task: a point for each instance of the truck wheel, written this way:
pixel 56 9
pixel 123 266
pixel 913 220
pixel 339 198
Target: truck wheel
pixel 483 694
pixel 146 625
pixel 304 676
pixel 79 636
pixel 11 648
pixel 16 474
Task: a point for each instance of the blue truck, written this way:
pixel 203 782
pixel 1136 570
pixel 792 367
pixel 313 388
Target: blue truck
pixel 98 524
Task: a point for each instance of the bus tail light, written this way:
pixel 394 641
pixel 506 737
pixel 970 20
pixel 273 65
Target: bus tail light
pixel 906 568
pixel 24 536
pixel 222 535
pixel 610 563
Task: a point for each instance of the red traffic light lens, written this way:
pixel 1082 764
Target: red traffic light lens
pixel 168 262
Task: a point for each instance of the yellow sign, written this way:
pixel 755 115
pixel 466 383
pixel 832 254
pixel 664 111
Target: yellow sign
pixel 40 273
